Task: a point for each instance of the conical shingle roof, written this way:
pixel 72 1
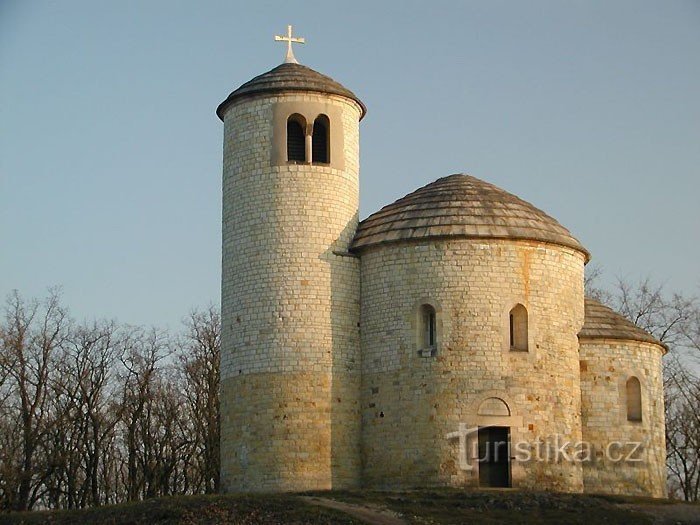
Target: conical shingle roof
pixel 289 77
pixel 461 206
pixel 602 322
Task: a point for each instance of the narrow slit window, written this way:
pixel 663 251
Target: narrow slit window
pixel 428 327
pixel 320 140
pixel 634 399
pixel 296 139
pixel 518 331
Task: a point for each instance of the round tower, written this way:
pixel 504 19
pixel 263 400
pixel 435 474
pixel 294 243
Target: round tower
pixel 471 303
pixel 622 405
pixel 290 373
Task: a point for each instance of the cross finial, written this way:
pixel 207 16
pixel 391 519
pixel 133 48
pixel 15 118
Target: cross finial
pixel 289 59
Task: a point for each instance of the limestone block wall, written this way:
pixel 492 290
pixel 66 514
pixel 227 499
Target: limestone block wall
pixel 606 364
pixel 411 403
pixel 290 305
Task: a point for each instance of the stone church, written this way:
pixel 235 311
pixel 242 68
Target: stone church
pixel 406 349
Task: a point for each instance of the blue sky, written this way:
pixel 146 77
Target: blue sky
pixel 110 151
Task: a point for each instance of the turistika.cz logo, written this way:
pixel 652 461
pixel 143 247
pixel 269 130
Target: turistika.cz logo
pixel 552 449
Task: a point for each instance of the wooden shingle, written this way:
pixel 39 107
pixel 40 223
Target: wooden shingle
pixel 286 78
pixel 461 206
pixel 602 322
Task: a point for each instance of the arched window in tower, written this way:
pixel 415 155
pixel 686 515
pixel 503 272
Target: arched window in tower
pixel 518 328
pixel 634 399
pixel 320 143
pixel 296 139
pixel 428 328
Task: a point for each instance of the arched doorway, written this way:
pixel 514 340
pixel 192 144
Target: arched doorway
pixel 494 444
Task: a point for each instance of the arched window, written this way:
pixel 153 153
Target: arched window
pixel 319 140
pixel 428 327
pixel 296 139
pixel 634 399
pixel 518 328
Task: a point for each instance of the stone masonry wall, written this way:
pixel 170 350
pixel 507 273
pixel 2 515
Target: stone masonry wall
pixel 606 364
pixel 290 306
pixel 411 403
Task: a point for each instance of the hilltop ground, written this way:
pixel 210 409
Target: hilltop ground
pixel 378 508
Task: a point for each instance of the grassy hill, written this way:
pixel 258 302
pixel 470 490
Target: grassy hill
pixel 382 508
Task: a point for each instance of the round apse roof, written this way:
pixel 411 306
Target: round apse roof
pixel 461 206
pixel 602 322
pixel 289 77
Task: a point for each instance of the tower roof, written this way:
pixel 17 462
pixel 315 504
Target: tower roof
pixel 289 77
pixel 461 206
pixel 602 322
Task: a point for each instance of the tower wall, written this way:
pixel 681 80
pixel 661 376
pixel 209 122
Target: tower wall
pixel 618 465
pixel 290 303
pixel 411 403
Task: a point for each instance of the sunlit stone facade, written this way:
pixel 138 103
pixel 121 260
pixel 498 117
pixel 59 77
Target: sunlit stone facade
pixel 379 354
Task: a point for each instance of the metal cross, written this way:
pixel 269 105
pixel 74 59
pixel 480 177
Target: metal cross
pixel 289 59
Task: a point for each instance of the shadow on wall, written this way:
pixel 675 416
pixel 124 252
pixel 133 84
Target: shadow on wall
pixel 345 359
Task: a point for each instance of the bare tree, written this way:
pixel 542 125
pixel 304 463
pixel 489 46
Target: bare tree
pixel 199 362
pixel 97 413
pixel 592 287
pixel 31 335
pixel 691 334
pixel 84 400
pixel 665 316
pixel 683 428
pixel 142 354
pixel 151 412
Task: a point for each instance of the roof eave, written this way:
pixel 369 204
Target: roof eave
pixel 663 346
pixel 221 108
pixel 359 247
